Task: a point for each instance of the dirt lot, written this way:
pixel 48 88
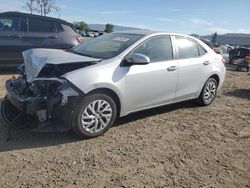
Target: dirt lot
pixel 181 145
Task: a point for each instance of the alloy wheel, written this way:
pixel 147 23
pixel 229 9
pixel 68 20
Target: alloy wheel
pixel 210 92
pixel 96 116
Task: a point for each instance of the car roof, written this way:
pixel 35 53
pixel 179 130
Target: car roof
pixel 150 32
pixel 35 16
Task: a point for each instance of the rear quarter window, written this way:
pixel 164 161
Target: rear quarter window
pixel 202 51
pixel 69 28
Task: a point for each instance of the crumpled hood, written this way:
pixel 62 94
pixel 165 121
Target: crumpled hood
pixel 36 59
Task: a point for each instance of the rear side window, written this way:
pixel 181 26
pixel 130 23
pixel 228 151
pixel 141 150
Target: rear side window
pixel 157 49
pixel 11 24
pixel 39 25
pixel 69 28
pixel 186 48
pixel 58 27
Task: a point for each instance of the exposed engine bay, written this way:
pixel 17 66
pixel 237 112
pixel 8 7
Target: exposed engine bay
pixel 39 91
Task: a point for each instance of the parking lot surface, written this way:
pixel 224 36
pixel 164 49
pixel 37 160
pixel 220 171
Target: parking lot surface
pixel 182 145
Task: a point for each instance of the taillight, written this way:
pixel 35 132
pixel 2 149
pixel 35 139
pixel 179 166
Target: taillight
pixel 247 57
pixel 223 61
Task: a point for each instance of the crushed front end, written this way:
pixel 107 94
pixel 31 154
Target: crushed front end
pixel 40 101
pixel 40 93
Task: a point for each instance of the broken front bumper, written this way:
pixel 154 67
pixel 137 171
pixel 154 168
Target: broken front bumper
pixel 47 114
pixel 28 105
pixel 42 106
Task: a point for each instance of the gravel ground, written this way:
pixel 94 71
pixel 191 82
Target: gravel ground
pixel 180 145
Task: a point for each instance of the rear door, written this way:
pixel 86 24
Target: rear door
pixel 194 67
pixel 11 40
pixel 41 33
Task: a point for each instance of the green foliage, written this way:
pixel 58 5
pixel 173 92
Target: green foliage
pixel 109 28
pixel 81 26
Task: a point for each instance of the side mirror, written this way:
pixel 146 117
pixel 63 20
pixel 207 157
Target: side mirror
pixel 139 59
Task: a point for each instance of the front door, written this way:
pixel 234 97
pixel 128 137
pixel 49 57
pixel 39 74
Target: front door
pixel 152 84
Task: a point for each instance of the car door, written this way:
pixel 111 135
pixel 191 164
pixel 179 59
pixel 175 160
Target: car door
pixel 152 84
pixel 11 40
pixel 41 33
pixel 194 67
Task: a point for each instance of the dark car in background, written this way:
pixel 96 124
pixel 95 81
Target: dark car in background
pixel 21 31
pixel 240 56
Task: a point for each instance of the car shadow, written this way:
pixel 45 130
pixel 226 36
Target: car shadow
pixel 156 111
pixel 240 93
pixel 29 139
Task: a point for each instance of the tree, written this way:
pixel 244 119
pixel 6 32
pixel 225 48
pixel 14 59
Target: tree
pixel 214 38
pixel 109 28
pixel 30 5
pixel 81 26
pixel 43 7
pixel 47 6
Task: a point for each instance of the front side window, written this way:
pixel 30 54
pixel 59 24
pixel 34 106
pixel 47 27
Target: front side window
pixel 157 49
pixel 186 48
pixel 39 25
pixel 106 46
pixel 11 24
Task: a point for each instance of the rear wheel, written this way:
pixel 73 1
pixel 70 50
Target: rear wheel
pixel 95 114
pixel 208 92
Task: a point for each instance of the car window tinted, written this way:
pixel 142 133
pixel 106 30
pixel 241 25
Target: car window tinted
pixel 186 48
pixel 11 24
pixel 106 46
pixel 39 25
pixel 58 27
pixel 157 49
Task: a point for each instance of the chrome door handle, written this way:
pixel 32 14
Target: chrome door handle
pixel 172 68
pixel 206 63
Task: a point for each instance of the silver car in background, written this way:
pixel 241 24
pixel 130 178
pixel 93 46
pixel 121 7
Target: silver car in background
pixel 112 76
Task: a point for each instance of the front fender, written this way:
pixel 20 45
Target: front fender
pixel 92 78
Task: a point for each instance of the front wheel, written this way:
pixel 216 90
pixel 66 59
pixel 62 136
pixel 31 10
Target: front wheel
pixel 208 92
pixel 95 114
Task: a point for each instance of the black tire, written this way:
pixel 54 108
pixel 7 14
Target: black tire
pixel 77 126
pixel 202 98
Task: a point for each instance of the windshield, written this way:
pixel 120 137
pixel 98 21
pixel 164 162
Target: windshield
pixel 106 46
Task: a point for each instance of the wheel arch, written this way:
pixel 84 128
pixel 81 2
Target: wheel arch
pixel 110 93
pixel 216 77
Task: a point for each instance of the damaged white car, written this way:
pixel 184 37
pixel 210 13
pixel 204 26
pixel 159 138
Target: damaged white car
pixel 88 86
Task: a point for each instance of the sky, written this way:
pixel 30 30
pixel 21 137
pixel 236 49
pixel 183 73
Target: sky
pixel 184 16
